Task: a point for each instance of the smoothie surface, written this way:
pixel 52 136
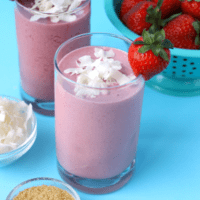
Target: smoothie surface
pixel 70 61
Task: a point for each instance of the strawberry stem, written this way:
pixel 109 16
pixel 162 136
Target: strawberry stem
pixel 154 17
pixel 196 26
pixel 165 21
pixel 159 4
pixel 194 0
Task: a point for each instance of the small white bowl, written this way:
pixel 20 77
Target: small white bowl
pixel 11 156
pixel 42 181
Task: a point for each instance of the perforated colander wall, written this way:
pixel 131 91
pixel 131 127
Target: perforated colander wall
pixel 182 67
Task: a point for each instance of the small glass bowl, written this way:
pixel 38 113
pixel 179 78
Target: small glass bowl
pixel 42 181
pixel 11 156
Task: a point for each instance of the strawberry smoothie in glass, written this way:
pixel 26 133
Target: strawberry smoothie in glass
pixel 98 104
pixel 41 27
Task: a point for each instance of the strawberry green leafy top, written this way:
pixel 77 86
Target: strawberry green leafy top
pixel 155 42
pixel 154 17
pixel 196 26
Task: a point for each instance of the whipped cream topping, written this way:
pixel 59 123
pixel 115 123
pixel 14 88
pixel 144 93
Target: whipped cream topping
pixel 15 123
pixel 61 9
pixel 101 72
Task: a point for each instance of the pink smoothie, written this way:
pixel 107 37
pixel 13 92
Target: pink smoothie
pixel 37 44
pixel 97 137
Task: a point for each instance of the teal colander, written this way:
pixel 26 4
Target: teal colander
pixel 181 77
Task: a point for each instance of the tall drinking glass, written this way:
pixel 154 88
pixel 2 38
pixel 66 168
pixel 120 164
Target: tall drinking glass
pixel 96 136
pixel 38 40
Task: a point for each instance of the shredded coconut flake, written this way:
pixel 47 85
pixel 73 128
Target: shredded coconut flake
pixel 58 7
pixel 15 123
pixel 99 73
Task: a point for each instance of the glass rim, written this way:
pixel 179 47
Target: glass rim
pixel 54 14
pixel 71 189
pixel 132 82
pixel 29 139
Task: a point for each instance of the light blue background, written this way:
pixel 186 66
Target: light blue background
pixel 168 158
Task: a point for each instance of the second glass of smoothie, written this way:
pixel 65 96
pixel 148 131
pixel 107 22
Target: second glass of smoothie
pixel 97 127
pixel 38 40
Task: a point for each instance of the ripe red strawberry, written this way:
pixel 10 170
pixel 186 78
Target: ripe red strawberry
pixel 149 55
pixel 127 5
pixel 135 19
pixel 169 7
pixel 182 33
pixel 191 7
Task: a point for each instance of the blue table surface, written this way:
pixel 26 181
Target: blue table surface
pixel 168 156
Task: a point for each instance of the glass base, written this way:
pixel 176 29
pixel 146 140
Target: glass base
pixel 174 86
pixel 39 106
pixel 97 186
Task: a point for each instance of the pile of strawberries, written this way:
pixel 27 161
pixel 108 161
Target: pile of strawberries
pixel 180 19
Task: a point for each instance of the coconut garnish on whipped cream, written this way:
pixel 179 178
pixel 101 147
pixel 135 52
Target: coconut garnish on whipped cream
pixel 101 72
pixel 61 9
